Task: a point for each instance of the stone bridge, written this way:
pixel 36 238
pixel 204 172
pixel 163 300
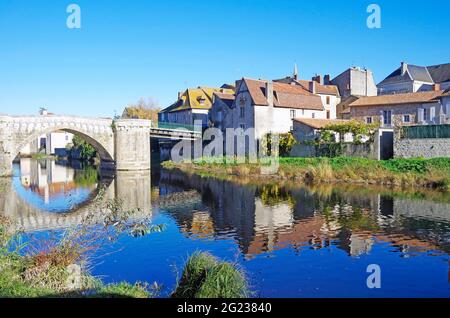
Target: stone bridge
pixel 122 144
pixel 131 188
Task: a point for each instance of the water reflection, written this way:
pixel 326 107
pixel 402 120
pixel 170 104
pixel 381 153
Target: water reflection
pixel 54 186
pixel 266 218
pixel 49 195
pixel 292 240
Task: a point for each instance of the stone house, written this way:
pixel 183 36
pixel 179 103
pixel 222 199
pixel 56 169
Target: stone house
pixel 192 105
pixel 320 86
pixel 268 106
pixel 222 105
pixel 355 81
pixel 412 78
pixel 399 109
pixel 307 130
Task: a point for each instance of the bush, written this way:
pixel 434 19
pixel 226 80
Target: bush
pixel 223 281
pixel 87 151
pixel 205 277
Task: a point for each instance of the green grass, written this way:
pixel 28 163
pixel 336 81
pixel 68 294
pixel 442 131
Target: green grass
pixel 206 277
pixel 432 173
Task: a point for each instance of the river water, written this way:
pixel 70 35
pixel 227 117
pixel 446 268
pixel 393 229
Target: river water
pixel 291 240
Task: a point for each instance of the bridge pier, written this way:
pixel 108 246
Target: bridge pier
pixel 132 144
pixel 6 169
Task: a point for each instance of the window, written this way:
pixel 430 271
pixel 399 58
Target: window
pixel 406 119
pixel 292 113
pixel 387 117
pixel 242 114
pixel 328 100
pixel 313 115
pixel 328 114
pixel 368 120
pixel 303 112
pixel 426 114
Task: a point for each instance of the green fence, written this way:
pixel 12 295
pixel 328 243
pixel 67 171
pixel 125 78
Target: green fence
pixel 175 126
pixel 427 131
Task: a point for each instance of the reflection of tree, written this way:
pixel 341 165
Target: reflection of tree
pixel 86 177
pixel 357 219
pixel 273 194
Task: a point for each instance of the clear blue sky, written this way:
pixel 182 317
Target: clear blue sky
pixel 131 49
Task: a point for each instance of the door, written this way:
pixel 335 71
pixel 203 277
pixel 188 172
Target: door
pixel 387 145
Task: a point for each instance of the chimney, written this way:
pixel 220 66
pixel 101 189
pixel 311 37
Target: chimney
pixel 312 87
pixel 269 93
pixel 318 79
pixel 436 87
pixel 327 79
pixel 43 111
pixel 404 67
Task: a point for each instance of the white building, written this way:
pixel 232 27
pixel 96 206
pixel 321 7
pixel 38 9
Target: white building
pixel 49 143
pixel 270 106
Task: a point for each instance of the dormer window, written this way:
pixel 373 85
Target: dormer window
pixel 201 100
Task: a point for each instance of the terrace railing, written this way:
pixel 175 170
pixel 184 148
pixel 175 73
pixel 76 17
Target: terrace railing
pixel 175 126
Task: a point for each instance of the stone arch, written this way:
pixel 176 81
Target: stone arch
pixel 105 154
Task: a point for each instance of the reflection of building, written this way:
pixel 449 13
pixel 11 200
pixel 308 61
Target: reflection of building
pixel 298 217
pixel 46 178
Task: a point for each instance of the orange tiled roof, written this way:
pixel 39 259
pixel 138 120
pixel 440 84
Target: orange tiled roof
pixel 285 95
pixel 398 99
pixel 319 123
pixel 321 89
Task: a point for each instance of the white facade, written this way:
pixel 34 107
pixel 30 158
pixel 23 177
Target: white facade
pixel 330 103
pixel 264 119
pixel 55 140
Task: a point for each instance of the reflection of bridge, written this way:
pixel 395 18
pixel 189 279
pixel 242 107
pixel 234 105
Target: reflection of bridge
pixel 133 189
pixel 122 144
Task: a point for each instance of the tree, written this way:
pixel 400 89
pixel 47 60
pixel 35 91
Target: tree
pixel 87 152
pixel 143 109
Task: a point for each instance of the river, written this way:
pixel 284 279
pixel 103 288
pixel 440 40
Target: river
pixel 291 240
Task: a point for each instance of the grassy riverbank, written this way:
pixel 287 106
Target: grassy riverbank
pixel 53 269
pixel 428 173
pixel 59 267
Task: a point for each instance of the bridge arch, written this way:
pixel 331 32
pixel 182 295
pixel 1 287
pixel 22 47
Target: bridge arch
pixel 104 154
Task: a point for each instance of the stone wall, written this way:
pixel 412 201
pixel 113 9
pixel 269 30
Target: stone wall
pixel 361 113
pixel 426 148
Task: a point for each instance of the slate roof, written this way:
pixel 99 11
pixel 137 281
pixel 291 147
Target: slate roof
pixel 440 73
pixel 228 99
pixel 429 74
pixel 285 95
